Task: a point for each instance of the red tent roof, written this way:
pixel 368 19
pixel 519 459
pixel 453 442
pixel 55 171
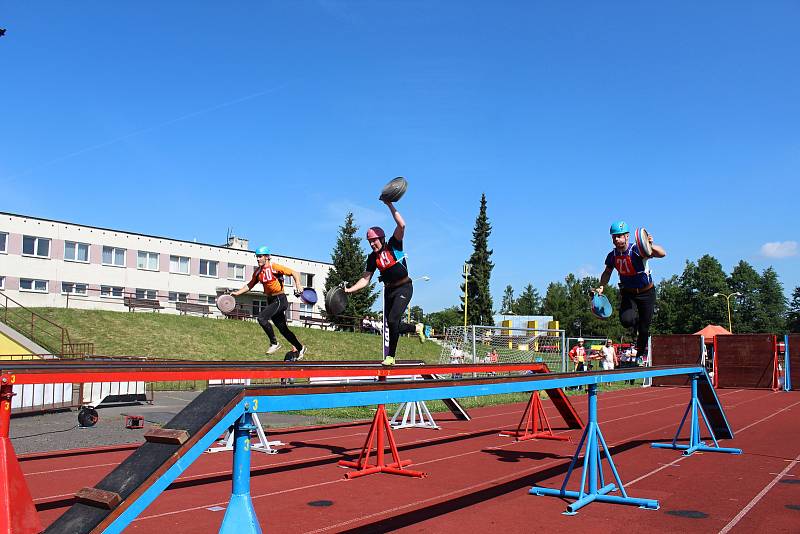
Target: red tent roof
pixel 712 330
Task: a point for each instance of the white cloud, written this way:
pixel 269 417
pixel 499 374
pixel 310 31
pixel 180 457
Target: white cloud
pixel 779 249
pixel 586 270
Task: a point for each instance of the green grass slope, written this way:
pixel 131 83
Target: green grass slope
pixel 199 338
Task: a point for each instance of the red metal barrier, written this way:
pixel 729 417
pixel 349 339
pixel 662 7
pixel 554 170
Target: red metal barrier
pixel 746 361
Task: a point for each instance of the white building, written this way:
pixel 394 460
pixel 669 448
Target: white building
pixel 57 264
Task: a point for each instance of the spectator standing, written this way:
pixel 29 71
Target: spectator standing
pixel 610 358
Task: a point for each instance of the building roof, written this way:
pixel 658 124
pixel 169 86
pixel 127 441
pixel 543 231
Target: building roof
pixel 148 235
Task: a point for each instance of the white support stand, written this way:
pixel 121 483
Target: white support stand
pixel 415 415
pixel 264 445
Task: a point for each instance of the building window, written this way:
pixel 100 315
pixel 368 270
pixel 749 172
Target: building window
pixel 288 281
pixel 208 299
pixel 147 261
pixel 73 288
pixel 111 292
pixel 3 242
pixel 115 256
pixel 307 279
pixel 27 284
pixel 2 282
pixel 208 268
pixel 306 310
pixel 235 271
pixel 151 294
pixel 179 264
pixel 35 246
pixel 76 251
pixel 258 306
pixel 178 297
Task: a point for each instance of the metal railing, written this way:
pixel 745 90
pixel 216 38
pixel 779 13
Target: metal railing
pixel 40 329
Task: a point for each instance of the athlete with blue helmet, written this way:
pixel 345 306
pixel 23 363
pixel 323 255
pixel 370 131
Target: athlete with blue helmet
pixel 270 275
pixel 637 293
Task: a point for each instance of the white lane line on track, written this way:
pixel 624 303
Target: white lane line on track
pixel 758 497
pixel 548 408
pixel 538 466
pixel 681 458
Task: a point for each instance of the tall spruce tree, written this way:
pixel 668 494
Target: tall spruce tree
pixel 699 283
pixel 479 305
pixel 348 265
pixel 508 301
pixel 529 302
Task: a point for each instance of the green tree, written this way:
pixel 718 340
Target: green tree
pixel 529 302
pixel 746 314
pixel 440 320
pixel 348 266
pixel 479 305
pixel 793 317
pixel 699 283
pixel 670 310
pixel 508 301
pixel 772 302
pixel 416 314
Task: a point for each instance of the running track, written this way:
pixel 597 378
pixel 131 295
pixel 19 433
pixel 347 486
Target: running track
pixel 478 481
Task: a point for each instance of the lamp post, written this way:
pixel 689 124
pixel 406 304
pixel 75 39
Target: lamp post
pixel 728 300
pixel 467 268
pixel 425 278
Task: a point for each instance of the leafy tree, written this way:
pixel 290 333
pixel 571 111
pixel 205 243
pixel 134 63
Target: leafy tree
pixel 479 308
pixel 793 317
pixel 529 302
pixel 772 303
pixel 670 310
pixel 746 312
pixel 440 320
pixel 508 301
pixel 699 283
pixel 348 266
pixel 416 314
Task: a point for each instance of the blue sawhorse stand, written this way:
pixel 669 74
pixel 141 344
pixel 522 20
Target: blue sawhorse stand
pixel 593 438
pixel 240 517
pixel 695 443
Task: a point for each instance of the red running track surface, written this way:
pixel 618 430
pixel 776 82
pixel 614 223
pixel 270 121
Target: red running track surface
pixel 479 481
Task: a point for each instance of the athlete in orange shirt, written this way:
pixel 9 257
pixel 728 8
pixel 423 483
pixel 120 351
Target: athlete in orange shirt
pixel 270 275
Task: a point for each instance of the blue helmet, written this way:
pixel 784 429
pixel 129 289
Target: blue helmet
pixel 262 251
pixel 619 227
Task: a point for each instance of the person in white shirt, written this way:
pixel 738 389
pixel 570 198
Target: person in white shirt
pixel 610 358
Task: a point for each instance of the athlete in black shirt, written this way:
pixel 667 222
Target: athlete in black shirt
pixel 390 260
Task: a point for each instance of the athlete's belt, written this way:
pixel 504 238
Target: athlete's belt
pixel 637 290
pixel 398 283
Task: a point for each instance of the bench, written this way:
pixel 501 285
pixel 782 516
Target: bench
pixel 239 314
pixel 149 304
pixel 192 307
pixel 309 322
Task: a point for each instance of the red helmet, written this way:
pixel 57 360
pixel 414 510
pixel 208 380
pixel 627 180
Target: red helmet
pixel 376 232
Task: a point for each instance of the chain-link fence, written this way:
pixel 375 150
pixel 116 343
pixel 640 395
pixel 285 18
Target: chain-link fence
pixel 495 344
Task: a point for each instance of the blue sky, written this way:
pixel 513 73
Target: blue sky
pixel 183 119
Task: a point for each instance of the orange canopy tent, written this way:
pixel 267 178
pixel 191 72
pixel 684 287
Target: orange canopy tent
pixel 710 331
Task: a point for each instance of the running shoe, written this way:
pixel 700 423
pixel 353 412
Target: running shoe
pixel 272 348
pixel 301 353
pixel 389 360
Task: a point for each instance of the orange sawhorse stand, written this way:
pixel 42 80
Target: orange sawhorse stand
pixel 534 423
pixel 380 425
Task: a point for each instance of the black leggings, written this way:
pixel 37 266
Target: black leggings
pixel 395 302
pixel 636 312
pixel 276 310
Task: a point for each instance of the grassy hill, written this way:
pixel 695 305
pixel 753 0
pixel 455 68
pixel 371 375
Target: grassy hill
pixel 177 336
